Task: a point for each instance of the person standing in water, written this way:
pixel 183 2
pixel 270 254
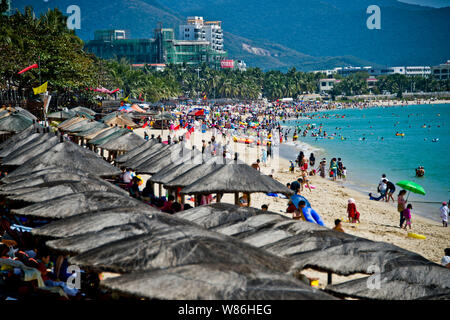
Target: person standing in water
pixel 444 214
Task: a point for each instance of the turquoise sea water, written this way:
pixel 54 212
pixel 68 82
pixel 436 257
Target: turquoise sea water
pixel 384 152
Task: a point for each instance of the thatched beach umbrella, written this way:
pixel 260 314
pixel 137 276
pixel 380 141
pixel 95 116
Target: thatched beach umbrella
pixel 125 142
pixel 87 241
pixel 174 156
pixel 194 174
pixel 121 121
pixel 15 122
pixel 144 155
pixel 5 145
pixel 33 174
pixel 145 146
pixel 151 155
pixel 175 246
pixel 31 150
pixel 50 179
pixel 235 178
pixel 61 115
pixel 403 283
pixel 103 137
pixel 83 109
pixel 95 129
pixel 95 221
pixel 75 125
pixel 225 282
pixel 82 126
pixel 26 113
pixel 70 155
pixel 70 122
pixel 171 172
pixel 78 203
pixel 18 145
pixel 100 133
pixel 56 189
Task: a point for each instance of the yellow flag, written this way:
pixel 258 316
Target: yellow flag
pixel 41 89
pixel 126 99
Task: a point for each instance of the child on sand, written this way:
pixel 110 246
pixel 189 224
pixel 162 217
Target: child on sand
pixel 338 226
pixel 353 214
pixel 407 216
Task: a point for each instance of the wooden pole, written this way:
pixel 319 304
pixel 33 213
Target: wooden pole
pixel 329 280
pixel 248 198
pixel 236 198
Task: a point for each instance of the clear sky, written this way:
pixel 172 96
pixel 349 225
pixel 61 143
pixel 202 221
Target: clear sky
pixel 430 3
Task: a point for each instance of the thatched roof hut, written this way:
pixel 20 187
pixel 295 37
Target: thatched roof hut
pixel 70 122
pixel 175 156
pixel 18 145
pixel 77 203
pixel 7 144
pixel 146 154
pixel 15 122
pixel 171 172
pixel 307 245
pixel 83 109
pixel 233 178
pixel 61 115
pixel 194 174
pixel 82 126
pixel 26 113
pixel 54 189
pixel 33 174
pixel 121 121
pixel 126 142
pixel 176 246
pixel 100 133
pixel 75 125
pixel 95 221
pixel 403 283
pixel 112 136
pixel 225 282
pixel 147 145
pixel 70 155
pixel 21 156
pixel 97 129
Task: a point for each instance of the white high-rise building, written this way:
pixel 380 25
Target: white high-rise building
pixel 198 29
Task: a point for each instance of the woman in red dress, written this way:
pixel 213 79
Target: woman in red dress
pixel 353 214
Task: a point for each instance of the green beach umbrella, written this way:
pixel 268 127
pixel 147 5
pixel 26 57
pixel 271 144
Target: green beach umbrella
pixel 411 187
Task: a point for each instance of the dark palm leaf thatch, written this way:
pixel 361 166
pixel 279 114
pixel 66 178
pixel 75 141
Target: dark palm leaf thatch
pixel 145 146
pixel 95 221
pixel 232 178
pixel 56 189
pixel 94 130
pixel 6 145
pixel 70 122
pixel 78 203
pixel 74 126
pixel 213 282
pixel 15 122
pixel 84 109
pixel 31 150
pixel 125 142
pixel 147 153
pixel 33 174
pixel 103 137
pixel 61 115
pixel 171 172
pixel 18 145
pixel 175 246
pixel 176 156
pixel 100 133
pixel 82 126
pixel 69 154
pixel 192 175
pixel 403 283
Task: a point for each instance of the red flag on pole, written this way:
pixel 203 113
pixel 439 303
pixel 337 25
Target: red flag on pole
pixel 28 68
pixel 145 124
pixel 176 128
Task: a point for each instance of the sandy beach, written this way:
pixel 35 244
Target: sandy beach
pixel 379 220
